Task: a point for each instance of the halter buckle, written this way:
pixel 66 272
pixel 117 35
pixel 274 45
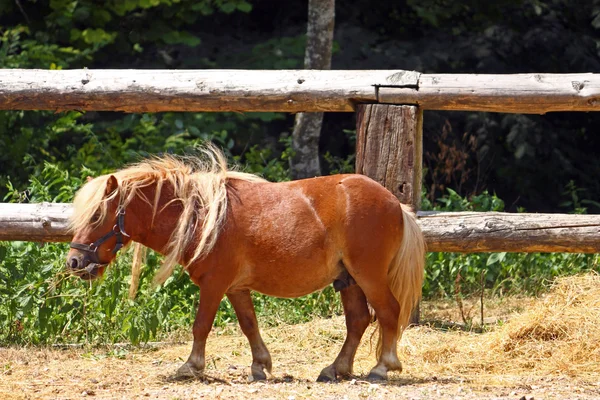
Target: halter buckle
pixel 118 230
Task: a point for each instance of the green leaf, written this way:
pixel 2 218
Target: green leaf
pixel 98 36
pixel 495 257
pixel 244 7
pixel 46 268
pixel 44 317
pixel 228 7
pixel 101 16
pixel 75 34
pixel 181 37
pixel 596 21
pixel 203 7
pixel 25 301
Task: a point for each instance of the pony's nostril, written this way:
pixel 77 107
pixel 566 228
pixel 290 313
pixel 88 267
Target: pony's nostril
pixel 74 262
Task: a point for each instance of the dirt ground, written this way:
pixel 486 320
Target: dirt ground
pixel 441 361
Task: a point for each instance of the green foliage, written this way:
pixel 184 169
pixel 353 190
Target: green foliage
pixel 574 201
pixel 281 53
pixel 504 273
pixel 454 202
pixel 43 304
pixel 275 311
pixel 69 141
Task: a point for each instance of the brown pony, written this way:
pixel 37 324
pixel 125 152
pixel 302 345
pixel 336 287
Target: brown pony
pixel 235 232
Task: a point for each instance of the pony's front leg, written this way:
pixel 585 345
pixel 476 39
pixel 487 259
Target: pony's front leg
pixel 210 298
pixel 244 309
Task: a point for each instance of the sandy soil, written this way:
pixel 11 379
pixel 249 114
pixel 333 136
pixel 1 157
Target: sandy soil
pixel 439 363
pixel 147 373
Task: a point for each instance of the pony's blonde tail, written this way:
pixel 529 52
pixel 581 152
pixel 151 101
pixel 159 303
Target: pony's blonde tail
pixel 405 274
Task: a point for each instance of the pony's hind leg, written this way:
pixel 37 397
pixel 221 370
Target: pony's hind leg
pixel 244 309
pixel 357 321
pixel 371 276
pixel 210 298
pixel 387 310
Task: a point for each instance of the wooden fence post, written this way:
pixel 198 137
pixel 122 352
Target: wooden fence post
pixel 389 149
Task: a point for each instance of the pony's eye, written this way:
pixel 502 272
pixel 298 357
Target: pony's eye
pixel 95 218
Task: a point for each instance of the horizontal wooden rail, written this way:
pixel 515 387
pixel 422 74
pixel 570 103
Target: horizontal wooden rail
pixel 40 222
pixel 474 232
pixel 194 90
pixel 466 232
pixel 519 93
pixel 292 90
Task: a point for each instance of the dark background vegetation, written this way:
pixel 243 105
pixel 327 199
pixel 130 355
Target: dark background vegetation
pixel 473 161
pixel 537 162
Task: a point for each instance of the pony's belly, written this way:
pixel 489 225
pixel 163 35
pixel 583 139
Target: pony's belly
pixel 293 281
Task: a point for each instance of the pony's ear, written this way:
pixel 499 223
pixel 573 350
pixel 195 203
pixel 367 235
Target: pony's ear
pixel 111 185
pixel 89 179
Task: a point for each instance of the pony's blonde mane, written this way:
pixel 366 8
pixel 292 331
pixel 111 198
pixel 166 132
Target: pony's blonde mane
pixel 199 186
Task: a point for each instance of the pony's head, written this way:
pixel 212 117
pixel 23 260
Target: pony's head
pixel 197 186
pixel 98 226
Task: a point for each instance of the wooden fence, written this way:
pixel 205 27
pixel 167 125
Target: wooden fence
pixel 389 107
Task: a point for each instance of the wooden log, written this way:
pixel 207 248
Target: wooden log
pixel 474 232
pixel 41 222
pixel 194 90
pixel 518 93
pixel 389 149
pixel 292 90
pixel 464 232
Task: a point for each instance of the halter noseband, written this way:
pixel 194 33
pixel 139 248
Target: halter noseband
pixel 92 249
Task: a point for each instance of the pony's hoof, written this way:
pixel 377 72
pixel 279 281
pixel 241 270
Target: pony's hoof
pixel 328 375
pixel 257 376
pixel 373 377
pixel 187 371
pixel 326 379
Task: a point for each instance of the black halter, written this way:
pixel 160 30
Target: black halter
pixel 92 249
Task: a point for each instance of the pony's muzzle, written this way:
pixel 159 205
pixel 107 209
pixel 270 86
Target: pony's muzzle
pixel 80 266
pixel 75 263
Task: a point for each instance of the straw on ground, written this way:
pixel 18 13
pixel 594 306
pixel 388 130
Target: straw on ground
pixel 549 350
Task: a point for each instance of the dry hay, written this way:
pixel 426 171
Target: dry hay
pixel 557 335
pixel 561 334
pixel 550 350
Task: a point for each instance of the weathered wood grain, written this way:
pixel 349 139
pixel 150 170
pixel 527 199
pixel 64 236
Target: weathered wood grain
pixel 465 232
pixel 41 222
pixel 389 148
pixel 473 232
pixel 194 90
pixel 518 93
pixel 292 90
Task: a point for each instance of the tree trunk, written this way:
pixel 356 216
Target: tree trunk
pixel 307 128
